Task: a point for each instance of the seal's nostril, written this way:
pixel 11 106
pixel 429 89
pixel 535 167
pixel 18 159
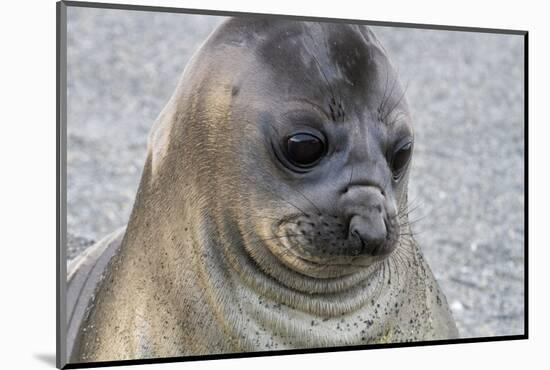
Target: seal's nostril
pixel 370 232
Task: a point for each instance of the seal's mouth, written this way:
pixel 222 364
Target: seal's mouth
pixel 320 245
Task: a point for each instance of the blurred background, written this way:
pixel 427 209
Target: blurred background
pixel 466 94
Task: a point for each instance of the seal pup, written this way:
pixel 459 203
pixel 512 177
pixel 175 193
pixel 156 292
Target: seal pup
pixel 272 210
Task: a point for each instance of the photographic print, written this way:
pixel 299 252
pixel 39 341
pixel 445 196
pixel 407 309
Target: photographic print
pixel 243 183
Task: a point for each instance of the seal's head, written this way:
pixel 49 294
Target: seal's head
pixel 297 142
pixel 271 209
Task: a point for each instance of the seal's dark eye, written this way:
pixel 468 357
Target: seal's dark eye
pixel 400 159
pixel 304 149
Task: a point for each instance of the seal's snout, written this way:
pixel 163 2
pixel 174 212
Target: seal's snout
pixel 371 232
pixel 369 217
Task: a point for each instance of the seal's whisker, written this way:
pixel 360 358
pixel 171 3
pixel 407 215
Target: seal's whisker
pixel 395 262
pixel 383 100
pixel 381 279
pixel 289 202
pixel 340 101
pixel 350 176
pixel 329 86
pixel 412 207
pixel 390 94
pixel 411 234
pixel 389 270
pixel 385 186
pixel 396 104
pixel 309 200
pixel 277 219
pixel 417 220
pixel 403 257
pixel 405 252
pixel 396 117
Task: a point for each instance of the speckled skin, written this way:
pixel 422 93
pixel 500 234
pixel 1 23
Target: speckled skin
pixel 226 249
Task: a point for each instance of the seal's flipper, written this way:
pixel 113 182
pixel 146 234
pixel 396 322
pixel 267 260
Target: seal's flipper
pixel 83 276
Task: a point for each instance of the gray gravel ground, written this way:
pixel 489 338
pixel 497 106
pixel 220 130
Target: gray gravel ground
pixel 466 94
